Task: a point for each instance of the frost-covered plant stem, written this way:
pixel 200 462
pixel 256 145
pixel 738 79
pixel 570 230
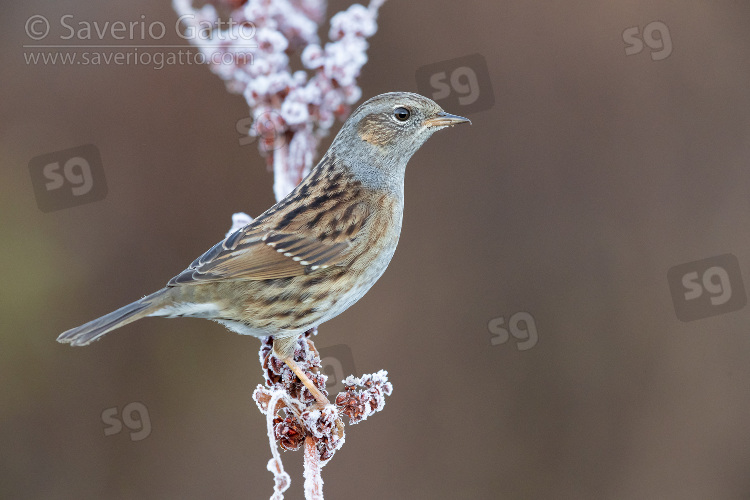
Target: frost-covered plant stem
pixel 292 111
pixel 280 476
pixel 313 479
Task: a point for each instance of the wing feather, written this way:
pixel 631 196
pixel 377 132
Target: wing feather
pixel 257 252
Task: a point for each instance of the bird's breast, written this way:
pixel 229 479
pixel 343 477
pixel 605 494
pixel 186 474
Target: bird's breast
pixel 376 242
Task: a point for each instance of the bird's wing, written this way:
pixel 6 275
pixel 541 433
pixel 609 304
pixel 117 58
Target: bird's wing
pixel 256 252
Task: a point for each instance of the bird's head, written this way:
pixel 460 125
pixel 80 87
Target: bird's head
pixel 380 137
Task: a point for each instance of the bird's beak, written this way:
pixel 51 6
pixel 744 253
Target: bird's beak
pixel 443 119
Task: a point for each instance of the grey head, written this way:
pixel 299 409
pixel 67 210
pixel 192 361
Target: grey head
pixel 380 137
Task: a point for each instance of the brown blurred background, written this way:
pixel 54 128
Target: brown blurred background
pixel 592 174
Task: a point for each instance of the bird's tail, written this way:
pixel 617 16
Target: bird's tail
pixel 93 330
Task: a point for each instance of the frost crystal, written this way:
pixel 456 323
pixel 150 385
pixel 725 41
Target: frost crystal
pixel 239 220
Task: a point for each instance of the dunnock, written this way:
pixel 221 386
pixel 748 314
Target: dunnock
pixel 313 254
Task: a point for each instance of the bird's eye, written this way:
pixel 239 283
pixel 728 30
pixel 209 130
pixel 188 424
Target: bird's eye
pixel 401 114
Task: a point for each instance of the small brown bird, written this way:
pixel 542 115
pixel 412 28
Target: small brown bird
pixel 313 254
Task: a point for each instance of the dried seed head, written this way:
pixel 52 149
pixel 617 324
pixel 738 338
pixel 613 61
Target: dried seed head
pixel 289 433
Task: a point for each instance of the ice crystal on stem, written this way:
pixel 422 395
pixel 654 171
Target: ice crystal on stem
pixel 249 43
pixel 281 478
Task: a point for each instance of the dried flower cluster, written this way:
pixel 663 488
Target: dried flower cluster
pixel 360 404
pixel 302 417
pixel 302 420
pixel 291 110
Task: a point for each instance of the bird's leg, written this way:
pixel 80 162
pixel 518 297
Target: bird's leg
pixel 321 400
pixel 319 397
pixel 283 349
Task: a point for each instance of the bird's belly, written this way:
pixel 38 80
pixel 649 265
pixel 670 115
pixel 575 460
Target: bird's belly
pixel 289 307
pixel 243 328
pixel 341 298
